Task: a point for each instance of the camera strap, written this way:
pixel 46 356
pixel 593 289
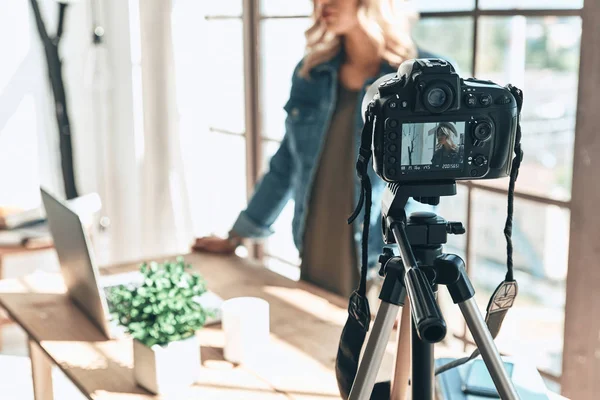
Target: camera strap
pixel 359 314
pixel 505 294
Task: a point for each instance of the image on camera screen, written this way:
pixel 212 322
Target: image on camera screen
pixel 432 146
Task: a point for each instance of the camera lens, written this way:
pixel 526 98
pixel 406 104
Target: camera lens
pixel 483 131
pixel 436 97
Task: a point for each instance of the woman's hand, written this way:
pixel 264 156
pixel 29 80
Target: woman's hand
pixel 216 245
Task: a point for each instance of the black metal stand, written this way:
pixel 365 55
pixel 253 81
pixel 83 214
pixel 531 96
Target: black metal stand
pixel 51 44
pixel 419 270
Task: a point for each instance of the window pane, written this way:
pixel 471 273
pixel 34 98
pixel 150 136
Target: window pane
pixel 217 194
pixel 444 5
pixel 280 8
pixel 221 7
pixel 450 38
pixel 305 7
pixel 534 327
pixel 221 100
pixel 282 47
pixel 530 4
pixel 205 84
pixel 281 243
pixel 540 56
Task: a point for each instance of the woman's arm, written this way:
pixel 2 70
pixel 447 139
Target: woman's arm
pixel 270 196
pixel 275 188
pixel 435 156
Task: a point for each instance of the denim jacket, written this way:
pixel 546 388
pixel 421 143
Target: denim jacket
pixel 293 167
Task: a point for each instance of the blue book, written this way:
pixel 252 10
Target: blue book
pixel 472 381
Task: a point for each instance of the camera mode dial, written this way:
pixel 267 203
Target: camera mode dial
pixel 391 86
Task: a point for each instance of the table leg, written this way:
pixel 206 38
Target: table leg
pixel 1 277
pixel 41 371
pixel 402 362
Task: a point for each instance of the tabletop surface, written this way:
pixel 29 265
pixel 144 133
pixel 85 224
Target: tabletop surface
pixel 306 323
pixel 8 250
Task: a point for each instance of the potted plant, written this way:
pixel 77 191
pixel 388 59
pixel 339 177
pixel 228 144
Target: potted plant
pixel 162 315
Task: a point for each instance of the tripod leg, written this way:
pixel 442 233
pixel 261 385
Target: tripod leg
pixel 402 362
pixel 422 367
pixel 487 347
pixel 373 355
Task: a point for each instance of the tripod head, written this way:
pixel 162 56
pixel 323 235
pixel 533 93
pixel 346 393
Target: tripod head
pixel 396 195
pixel 423 229
pixel 422 235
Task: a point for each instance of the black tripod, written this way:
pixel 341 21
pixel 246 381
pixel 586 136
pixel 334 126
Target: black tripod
pixel 420 269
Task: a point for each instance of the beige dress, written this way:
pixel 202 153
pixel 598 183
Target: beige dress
pixel 329 254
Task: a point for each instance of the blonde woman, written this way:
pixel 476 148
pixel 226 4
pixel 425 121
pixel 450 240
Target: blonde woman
pixel 350 45
pixel 446 151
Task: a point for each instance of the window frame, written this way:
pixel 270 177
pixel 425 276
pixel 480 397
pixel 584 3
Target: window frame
pixel 590 14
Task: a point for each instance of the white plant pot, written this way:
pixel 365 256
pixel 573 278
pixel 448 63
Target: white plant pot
pixel 169 368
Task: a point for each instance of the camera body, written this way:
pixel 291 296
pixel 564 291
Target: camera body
pixel 432 125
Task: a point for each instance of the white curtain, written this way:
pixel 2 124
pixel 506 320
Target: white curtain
pixel 145 194
pixel 123 115
pixel 166 220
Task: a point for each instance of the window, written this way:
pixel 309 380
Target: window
pixel 533 44
pixel 211 104
pixel 537 50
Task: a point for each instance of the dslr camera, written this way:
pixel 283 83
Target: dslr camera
pixel 432 125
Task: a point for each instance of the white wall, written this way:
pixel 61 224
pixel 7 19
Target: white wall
pixel 24 110
pixel 108 139
pixel 29 152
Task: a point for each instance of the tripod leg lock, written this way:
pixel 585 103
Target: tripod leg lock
pixel 450 271
pixel 393 290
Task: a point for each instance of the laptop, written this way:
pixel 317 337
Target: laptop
pixel 86 288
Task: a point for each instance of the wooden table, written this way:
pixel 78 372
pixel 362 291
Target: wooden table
pixel 18 250
pixel 10 251
pixel 305 326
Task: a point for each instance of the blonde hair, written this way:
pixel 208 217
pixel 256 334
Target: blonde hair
pixel 386 22
pixel 448 130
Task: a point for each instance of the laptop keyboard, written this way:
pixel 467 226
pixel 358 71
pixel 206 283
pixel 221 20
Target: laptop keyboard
pixel 106 291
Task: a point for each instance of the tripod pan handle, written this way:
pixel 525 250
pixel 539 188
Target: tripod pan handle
pixel 426 313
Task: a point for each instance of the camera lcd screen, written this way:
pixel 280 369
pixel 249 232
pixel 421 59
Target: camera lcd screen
pixel 432 146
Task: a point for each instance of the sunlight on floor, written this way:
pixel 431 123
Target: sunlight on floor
pixel 309 303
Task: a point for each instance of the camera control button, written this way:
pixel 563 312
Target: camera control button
pixel 393 135
pixel 474 172
pixel 392 147
pixel 391 123
pixel 502 100
pixel 391 86
pixel 392 160
pixel 479 161
pixel 470 100
pixel 485 100
pixel 392 172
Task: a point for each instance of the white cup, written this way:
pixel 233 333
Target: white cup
pixel 245 321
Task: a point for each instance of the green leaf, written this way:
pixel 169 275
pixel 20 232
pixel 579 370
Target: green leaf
pixel 163 308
